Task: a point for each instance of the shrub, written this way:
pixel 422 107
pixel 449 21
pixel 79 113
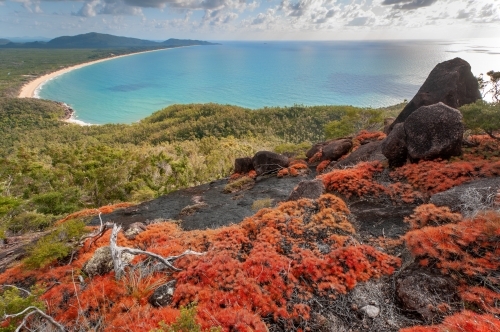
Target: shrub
pixel 431 215
pixel 29 221
pixel 465 321
pixel 482 116
pixel 13 301
pixel 54 246
pixel 262 203
pixel 353 121
pixel 293 150
pixel 58 203
pixel 7 204
pixel 239 184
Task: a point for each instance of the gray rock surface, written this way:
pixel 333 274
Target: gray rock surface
pixel 368 152
pixel 434 131
pixel 450 82
pixel 469 197
pixel 421 293
pixel 394 146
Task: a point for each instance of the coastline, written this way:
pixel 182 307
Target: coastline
pixel 28 90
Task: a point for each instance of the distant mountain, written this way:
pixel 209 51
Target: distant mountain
pixel 99 40
pixel 4 41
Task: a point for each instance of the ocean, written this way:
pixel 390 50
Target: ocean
pixel 260 74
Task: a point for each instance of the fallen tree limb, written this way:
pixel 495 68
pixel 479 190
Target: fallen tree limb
pixel 119 264
pixel 29 311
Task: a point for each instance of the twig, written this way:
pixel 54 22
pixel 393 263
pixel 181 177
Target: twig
pixel 33 311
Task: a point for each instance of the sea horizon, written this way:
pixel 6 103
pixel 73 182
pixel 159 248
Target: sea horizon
pixel 257 74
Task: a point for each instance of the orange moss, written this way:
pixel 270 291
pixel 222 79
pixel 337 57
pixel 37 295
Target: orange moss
pixel 469 252
pixel 249 272
pixel 317 157
pixel 365 136
pixel 94 212
pixel 465 321
pixel 357 181
pixel 431 215
pixel 321 167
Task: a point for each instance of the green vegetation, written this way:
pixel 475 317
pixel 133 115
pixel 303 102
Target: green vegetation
pixel 19 66
pixel 14 300
pixel 353 121
pixel 482 116
pixel 186 322
pixel 239 184
pixel 56 245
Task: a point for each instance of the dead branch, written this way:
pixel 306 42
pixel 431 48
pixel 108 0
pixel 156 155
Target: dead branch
pixel 30 311
pixel 119 264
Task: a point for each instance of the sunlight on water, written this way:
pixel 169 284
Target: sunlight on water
pixel 257 74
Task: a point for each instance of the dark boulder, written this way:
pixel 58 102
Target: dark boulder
pixel 315 149
pixel 243 165
pixel 268 162
pixel 450 82
pixel 307 189
pixel 336 149
pixel 368 152
pixel 434 131
pixel 100 263
pixel 387 124
pixel 469 197
pixel 394 146
pixel 162 296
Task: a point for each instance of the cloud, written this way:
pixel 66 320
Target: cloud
pixel 360 21
pixel 409 4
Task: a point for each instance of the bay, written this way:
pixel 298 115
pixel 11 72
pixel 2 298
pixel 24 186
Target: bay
pixel 260 74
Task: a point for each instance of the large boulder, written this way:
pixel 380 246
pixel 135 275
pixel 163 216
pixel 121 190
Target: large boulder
pixel 394 146
pixel 450 82
pixel 308 189
pixel 243 165
pixel 434 131
pixel 336 149
pixel 368 152
pixel 100 263
pixel 469 197
pixel 268 162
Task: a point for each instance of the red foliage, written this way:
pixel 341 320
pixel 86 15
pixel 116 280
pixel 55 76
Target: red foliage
pixel 249 272
pixel 467 250
pixel 365 136
pixel 317 157
pixel 431 215
pixel 465 321
pixel 322 165
pixel 94 212
pixel 356 181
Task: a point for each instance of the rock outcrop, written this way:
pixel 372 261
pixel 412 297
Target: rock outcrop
pixel 394 146
pixel 268 162
pixel 308 189
pixel 469 197
pixel 434 131
pixel 450 82
pixel 243 165
pixel 336 149
pixel 368 152
pixel 162 296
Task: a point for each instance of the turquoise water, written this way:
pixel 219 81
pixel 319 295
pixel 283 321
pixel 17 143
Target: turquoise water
pixel 257 74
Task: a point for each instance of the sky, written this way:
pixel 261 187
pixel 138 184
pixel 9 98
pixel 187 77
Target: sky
pixel 254 19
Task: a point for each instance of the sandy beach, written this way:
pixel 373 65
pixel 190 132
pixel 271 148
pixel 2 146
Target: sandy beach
pixel 28 90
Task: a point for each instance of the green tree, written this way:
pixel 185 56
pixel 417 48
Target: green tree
pixel 353 121
pixel 482 116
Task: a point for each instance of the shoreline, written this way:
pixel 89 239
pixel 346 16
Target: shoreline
pixel 29 89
